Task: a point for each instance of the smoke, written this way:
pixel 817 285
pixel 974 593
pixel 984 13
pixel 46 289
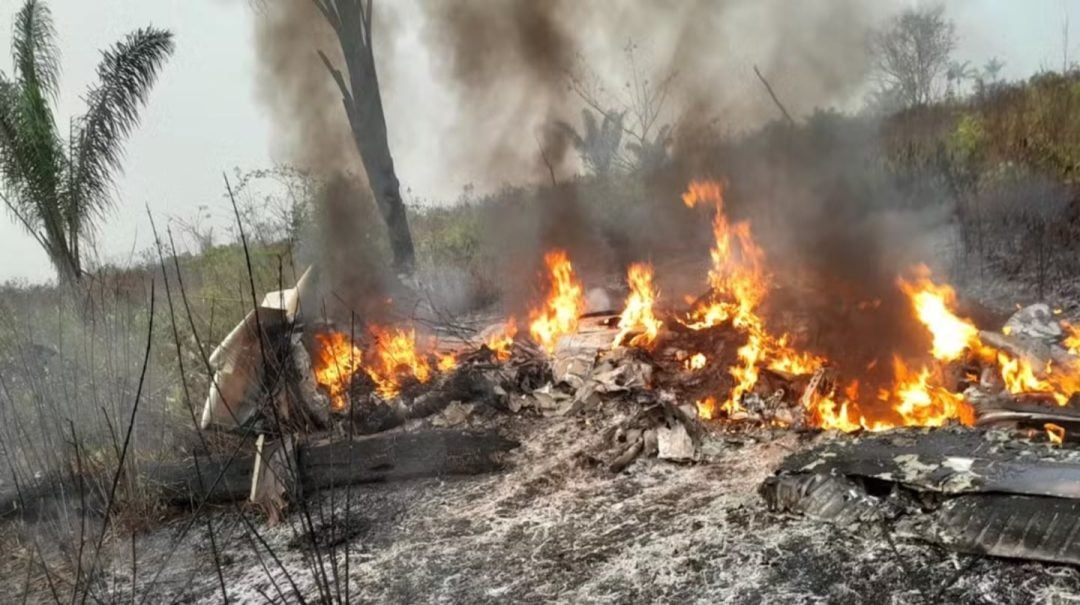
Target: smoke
pixel 510 65
pixel 506 64
pixel 312 132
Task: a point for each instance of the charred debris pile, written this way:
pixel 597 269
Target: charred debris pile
pixel 952 441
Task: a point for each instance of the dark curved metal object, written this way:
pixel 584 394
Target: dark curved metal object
pixel 970 490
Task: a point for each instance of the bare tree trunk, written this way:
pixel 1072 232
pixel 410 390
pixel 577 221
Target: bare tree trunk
pixel 351 20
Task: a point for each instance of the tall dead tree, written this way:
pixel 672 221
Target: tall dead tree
pixel 359 84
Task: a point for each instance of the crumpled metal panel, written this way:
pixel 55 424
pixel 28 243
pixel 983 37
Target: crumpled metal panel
pixel 973 491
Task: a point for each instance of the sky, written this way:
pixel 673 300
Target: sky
pixel 204 117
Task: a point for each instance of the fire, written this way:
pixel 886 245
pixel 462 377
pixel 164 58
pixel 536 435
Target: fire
pixel 501 342
pixel 706 408
pixel 638 314
pixel 696 361
pixel 922 403
pixel 1072 338
pixel 738 284
pixel 446 362
pixel 564 305
pixel 1020 376
pixel 933 304
pixel 1055 433
pixel 336 362
pixel 395 359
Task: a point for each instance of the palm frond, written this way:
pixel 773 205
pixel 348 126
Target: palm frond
pixel 126 74
pixel 30 161
pixel 33 47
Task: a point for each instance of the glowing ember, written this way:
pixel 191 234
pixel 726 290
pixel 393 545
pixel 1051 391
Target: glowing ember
pixel 501 342
pixel 696 361
pixel 1055 433
pixel 564 305
pixel 335 363
pixel 933 306
pixel 638 315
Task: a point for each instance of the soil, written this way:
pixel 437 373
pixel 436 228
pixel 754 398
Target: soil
pixel 554 527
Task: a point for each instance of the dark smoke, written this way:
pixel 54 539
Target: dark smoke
pixel 507 63
pixel 313 133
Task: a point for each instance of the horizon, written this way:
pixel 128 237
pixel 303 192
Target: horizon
pixel 203 117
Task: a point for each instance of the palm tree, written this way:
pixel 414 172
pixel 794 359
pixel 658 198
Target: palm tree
pixel 600 142
pixel 653 154
pixel 58 189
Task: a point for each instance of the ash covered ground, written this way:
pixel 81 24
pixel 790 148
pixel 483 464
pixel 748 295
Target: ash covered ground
pixel 553 527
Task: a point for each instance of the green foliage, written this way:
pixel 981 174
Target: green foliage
pixel 968 141
pixel 57 189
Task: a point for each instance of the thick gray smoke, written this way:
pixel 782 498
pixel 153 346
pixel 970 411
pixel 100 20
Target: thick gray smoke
pixel 313 133
pixel 509 65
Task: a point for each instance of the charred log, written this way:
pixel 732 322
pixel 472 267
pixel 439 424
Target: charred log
pixel 227 478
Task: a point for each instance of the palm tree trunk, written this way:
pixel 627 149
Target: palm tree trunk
pixel 351 20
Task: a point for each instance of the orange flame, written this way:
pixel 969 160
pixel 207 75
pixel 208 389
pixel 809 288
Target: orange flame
pixel 738 284
pixel 501 342
pixel 564 305
pixel 933 304
pixel 445 362
pixel 395 359
pixel 638 313
pixel 706 408
pixel 921 403
pixel 336 360
pixel 1055 433
pixel 1072 337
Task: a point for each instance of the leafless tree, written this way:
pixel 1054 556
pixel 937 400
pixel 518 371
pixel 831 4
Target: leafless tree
pixel 359 84
pixel 644 101
pixel 912 54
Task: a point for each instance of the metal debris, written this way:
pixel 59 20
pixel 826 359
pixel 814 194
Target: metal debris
pixel 972 491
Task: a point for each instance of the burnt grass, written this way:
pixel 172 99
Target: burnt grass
pixel 555 527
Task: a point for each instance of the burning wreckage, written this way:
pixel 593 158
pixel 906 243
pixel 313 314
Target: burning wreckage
pixel 966 444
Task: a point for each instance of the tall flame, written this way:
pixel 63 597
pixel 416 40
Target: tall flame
pixel 933 304
pixel 738 284
pixel 638 314
pixel 564 305
pixel 336 360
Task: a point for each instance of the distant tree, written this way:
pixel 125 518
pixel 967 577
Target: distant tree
pixel 912 53
pixel 359 86
pixel 57 189
pixel 599 142
pixel 644 98
pixel 650 154
pixel 956 74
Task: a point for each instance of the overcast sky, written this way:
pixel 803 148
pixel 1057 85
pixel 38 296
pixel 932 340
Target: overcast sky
pixel 203 116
